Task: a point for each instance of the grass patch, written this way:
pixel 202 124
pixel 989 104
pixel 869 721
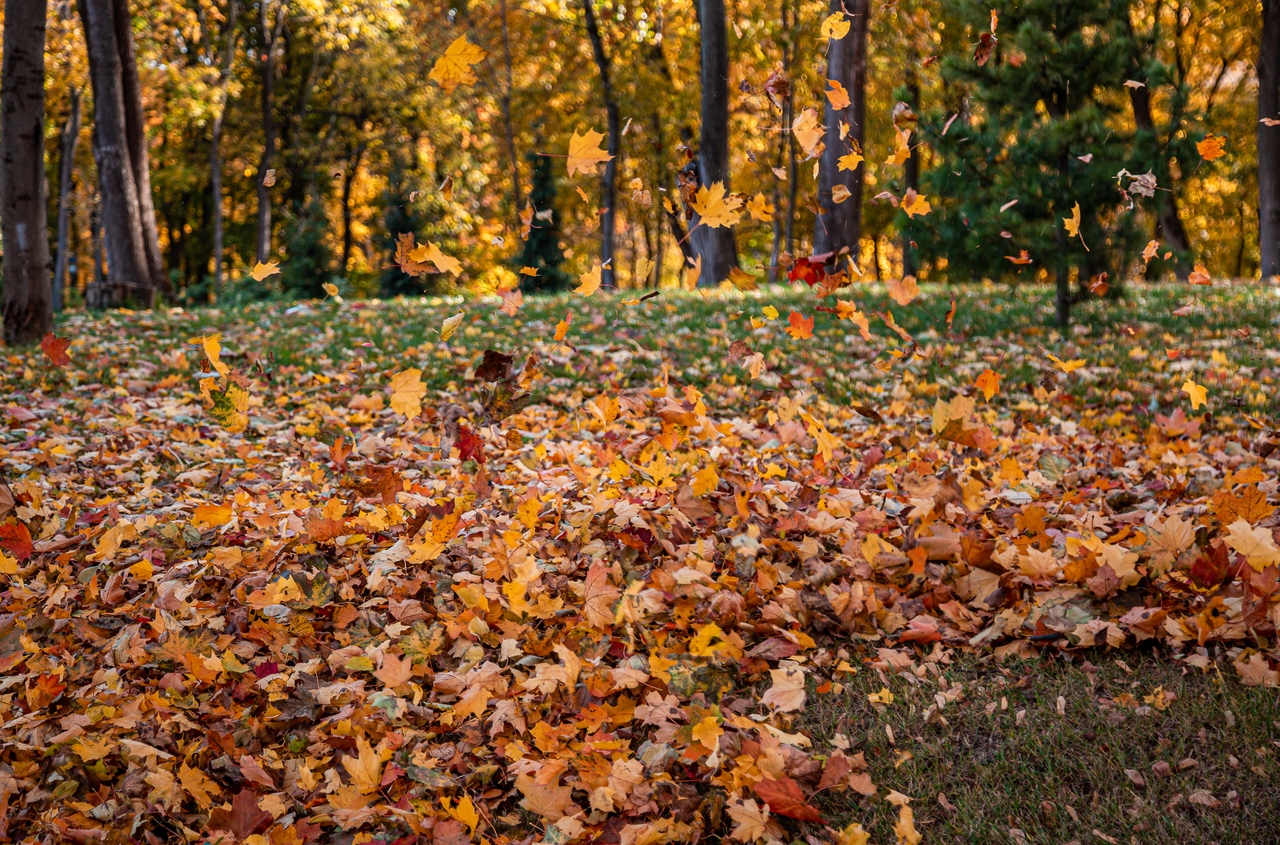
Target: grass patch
pixel 1037 751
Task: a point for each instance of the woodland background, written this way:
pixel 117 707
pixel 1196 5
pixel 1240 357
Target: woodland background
pixel 360 146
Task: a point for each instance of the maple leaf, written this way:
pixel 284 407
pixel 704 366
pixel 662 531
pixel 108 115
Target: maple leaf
pixel 714 208
pixel 470 446
pixel 550 801
pixel 453 68
pixel 1067 366
pixel 244 819
pixel 1255 671
pixel 808 131
pixel 394 671
pixel 915 204
pixel 261 271
pixel 589 283
pixel 16 539
pixel 751 820
pixel 1199 276
pixel 989 383
pixel 585 152
pixel 902 150
pixel 1197 393
pixel 1256 545
pixel 599 597
pixel 903 291
pixel 55 349
pixel 799 326
pixel 1072 223
pixel 1212 147
pixel 364 767
pixel 760 209
pixel 430 253
pixel 838 95
pixel 850 311
pixel 835 26
pixel 849 161
pixel 198 785
pixel 787 692
pixel 784 798
pixel 407 392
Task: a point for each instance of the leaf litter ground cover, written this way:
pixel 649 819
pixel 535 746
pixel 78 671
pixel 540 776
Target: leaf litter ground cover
pixel 423 571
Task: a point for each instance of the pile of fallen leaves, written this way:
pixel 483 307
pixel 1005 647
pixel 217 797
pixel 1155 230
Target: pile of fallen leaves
pixel 562 595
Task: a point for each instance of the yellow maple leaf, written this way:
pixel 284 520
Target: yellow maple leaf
pixel 849 161
pixel 407 392
pixel 262 270
pixel 838 95
pixel 770 312
pixel 1068 366
pixel 1072 223
pixel 585 152
pixel 708 732
pixel 915 204
pixel 431 253
pixel 705 480
pixel 1212 147
pixel 760 209
pixel 850 311
pixel 835 27
pixel 715 208
pixel 902 150
pixel 807 131
pixel 903 291
pixel 449 326
pixel 365 767
pixel 454 67
pixel 589 281
pixel 882 697
pixel 989 383
pixel 1197 393
pixel 1255 544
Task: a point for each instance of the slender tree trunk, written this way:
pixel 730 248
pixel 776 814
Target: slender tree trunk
pixel 348 178
pixel 70 140
pixel 780 228
pixel 839 226
pixel 715 247
pixel 99 247
pixel 215 141
pixel 267 60
pixel 517 198
pixel 25 305
pixel 1269 139
pixel 121 213
pixel 911 175
pixel 135 128
pixel 609 187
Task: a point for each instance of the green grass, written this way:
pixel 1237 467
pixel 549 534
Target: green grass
pixel 1007 758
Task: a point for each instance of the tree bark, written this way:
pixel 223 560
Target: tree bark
pixel 25 305
pixel 1269 139
pixel 215 142
pixel 517 197
pixel 135 128
pixel 609 186
pixel 783 212
pixel 70 140
pixel 839 225
pixel 911 175
pixel 715 247
pixel 269 36
pixel 130 275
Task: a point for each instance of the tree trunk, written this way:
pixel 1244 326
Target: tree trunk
pixel 715 247
pixel 348 179
pixel 911 175
pixel 130 275
pixel 267 60
pixel 839 225
pixel 25 306
pixel 70 140
pixel 135 128
pixel 215 142
pixel 609 187
pixel 517 199
pixel 1169 226
pixel 781 217
pixel 1269 139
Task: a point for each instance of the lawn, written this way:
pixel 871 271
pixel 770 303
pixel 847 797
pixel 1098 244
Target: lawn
pixel 641 571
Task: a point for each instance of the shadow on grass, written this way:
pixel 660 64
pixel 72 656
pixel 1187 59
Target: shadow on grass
pixel 1037 752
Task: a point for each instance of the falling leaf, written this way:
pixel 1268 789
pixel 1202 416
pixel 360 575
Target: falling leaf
pixel 915 204
pixel 1067 366
pixel 55 349
pixel 839 193
pixel 835 27
pixel 1199 276
pixel 849 161
pixel 1212 147
pixel 430 253
pixel 837 95
pixel 1197 393
pixel 262 270
pixel 903 291
pixel 585 152
pixel 714 209
pixel 989 383
pixel 807 131
pixel 449 326
pixel 1072 223
pixel 453 68
pixel 760 209
pixel 589 282
pixel 799 326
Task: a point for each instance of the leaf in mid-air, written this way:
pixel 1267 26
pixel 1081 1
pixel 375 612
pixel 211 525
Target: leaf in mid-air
pixel 454 67
pixel 585 152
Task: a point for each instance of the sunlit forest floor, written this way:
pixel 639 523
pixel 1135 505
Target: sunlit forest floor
pixel 1038 602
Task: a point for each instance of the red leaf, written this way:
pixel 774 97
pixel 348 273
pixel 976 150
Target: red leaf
pixel 470 446
pixel 16 539
pixel 785 798
pixel 808 271
pixel 1209 570
pixel 55 348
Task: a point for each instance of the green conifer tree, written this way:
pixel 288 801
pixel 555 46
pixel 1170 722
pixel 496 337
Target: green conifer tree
pixel 542 249
pixel 1041 131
